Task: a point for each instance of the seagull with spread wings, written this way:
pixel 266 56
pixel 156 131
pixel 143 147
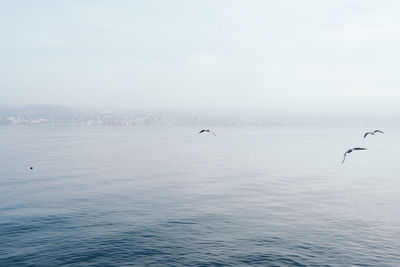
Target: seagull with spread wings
pixel 351 150
pixel 207 131
pixel 372 133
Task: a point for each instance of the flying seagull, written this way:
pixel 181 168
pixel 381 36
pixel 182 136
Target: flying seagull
pixel 372 133
pixel 351 150
pixel 207 131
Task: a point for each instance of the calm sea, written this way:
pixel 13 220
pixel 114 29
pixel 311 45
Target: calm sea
pixel 167 196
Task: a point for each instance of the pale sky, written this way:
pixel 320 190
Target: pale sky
pixel 274 55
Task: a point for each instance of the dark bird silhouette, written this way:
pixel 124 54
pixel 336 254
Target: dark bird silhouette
pixel 351 150
pixel 207 131
pixel 372 133
pixel 31 168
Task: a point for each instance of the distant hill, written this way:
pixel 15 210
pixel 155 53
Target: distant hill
pixel 47 109
pixel 36 114
pixel 49 112
pixel 56 114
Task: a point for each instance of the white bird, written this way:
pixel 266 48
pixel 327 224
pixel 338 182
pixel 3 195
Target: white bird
pixel 207 131
pixel 351 150
pixel 372 133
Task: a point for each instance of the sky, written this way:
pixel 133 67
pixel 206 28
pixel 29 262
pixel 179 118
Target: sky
pixel 296 56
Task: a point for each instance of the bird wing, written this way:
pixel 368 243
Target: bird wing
pixel 344 157
pixel 365 135
pixel 378 131
pixel 202 131
pixel 359 148
pixel 213 133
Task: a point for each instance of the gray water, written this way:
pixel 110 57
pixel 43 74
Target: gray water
pixel 169 197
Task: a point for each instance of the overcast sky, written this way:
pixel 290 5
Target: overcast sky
pixel 273 55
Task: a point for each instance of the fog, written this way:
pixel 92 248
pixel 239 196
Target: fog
pixel 289 56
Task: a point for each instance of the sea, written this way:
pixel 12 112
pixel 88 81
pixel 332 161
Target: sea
pixel 169 196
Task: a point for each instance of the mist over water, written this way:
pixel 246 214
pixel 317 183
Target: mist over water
pixel 338 56
pixel 101 162
pixel 267 196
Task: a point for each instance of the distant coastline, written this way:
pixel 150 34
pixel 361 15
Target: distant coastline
pixel 57 114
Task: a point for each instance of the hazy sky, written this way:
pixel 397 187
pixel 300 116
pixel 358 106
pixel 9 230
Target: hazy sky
pixel 282 55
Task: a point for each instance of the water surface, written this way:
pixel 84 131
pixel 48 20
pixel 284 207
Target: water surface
pixel 157 196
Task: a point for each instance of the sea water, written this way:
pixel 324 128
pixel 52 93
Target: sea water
pixel 168 196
